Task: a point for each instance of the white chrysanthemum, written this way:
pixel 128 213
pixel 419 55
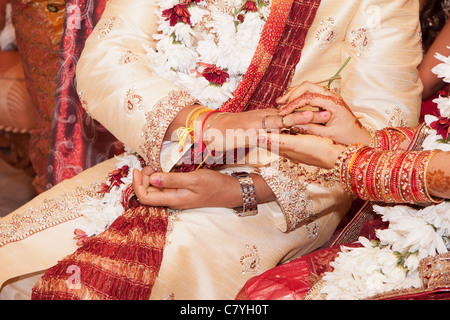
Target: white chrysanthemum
pixel 239 55
pixel 197 13
pixel 222 25
pixel 364 272
pixel 166 4
pixel 208 51
pixel 433 142
pixel 225 44
pixel 409 232
pixel 443 104
pixel 100 213
pixel 442 70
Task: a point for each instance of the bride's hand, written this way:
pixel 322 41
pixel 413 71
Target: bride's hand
pixel 342 125
pixel 227 131
pixel 308 149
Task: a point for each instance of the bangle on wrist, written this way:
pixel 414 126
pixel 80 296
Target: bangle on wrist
pixel 249 204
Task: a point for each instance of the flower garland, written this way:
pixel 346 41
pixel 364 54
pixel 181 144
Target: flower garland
pixel 99 214
pixel 206 46
pixel 392 262
pixel 439 133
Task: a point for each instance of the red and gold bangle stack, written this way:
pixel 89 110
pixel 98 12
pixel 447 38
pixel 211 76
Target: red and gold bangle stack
pixel 387 176
pixel 386 139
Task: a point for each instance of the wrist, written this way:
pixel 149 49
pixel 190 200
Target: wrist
pixel 329 158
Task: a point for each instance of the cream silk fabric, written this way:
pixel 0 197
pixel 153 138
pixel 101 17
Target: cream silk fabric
pixel 210 253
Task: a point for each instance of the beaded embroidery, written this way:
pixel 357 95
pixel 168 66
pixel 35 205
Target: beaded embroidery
pixel 288 184
pixel 51 213
pixel 157 123
pixel 83 102
pixel 128 57
pixel 361 40
pixel 132 101
pixel 398 119
pixel 327 33
pixel 313 230
pixel 103 29
pixel 250 262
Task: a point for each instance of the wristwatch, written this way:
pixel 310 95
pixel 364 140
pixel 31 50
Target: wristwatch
pixel 250 206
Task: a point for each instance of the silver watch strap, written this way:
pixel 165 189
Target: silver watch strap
pixel 249 206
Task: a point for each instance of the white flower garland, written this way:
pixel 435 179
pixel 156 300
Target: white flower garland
pixel 392 263
pixel 214 38
pixel 99 214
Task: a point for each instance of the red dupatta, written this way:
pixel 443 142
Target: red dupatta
pixel 123 261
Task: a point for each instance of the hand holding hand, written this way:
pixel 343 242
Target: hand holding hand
pixel 307 149
pixel 341 126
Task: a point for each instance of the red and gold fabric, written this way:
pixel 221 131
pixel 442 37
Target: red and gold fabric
pixel 117 87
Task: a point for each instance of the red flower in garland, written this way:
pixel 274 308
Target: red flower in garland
pixel 80 236
pixel 442 126
pixel 115 179
pixel 250 6
pixel 178 13
pixel 215 75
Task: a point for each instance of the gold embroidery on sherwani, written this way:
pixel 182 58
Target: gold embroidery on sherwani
pixel 67 206
pixel 157 123
pixel 132 101
pixel 250 262
pixel 105 27
pixel 287 182
pixel 128 57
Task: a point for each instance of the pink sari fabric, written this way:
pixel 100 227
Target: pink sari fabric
pixel 78 141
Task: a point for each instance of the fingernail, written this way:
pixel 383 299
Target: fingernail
pixel 324 113
pixel 156 180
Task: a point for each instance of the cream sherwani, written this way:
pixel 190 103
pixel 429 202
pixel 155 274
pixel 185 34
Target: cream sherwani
pixel 210 252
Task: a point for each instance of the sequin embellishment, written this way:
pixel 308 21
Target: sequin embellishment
pixel 132 101
pixel 250 262
pixel 128 57
pixel 327 33
pixel 287 182
pixel 104 28
pixel 157 122
pixel 52 212
pixel 361 40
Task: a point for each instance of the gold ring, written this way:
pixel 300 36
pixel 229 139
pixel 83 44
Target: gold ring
pixel 284 123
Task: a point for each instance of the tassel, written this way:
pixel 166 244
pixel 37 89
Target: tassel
pixel 121 263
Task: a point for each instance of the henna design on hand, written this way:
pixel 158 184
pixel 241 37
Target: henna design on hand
pixel 438 181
